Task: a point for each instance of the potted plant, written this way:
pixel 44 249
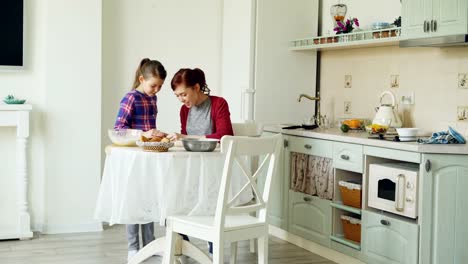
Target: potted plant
pixel 347 26
pixel 396 23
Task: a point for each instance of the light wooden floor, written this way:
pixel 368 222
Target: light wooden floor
pixel 109 247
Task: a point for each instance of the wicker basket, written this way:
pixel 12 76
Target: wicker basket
pixel 155 146
pixel 351 228
pixel 350 193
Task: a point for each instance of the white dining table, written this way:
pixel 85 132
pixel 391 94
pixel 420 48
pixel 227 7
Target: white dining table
pixel 139 187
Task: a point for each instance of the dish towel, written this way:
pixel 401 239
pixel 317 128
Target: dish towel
pixel 444 137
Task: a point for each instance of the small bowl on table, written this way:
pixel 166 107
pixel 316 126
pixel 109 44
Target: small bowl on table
pixel 124 137
pixel 199 144
pixel 154 146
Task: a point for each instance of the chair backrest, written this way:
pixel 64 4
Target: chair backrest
pixel 250 129
pixel 247 129
pixel 240 149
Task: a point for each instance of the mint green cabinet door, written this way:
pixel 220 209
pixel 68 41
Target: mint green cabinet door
pixel 444 216
pixel 310 217
pixel 387 240
pixel 449 17
pixel 413 15
pixel 277 210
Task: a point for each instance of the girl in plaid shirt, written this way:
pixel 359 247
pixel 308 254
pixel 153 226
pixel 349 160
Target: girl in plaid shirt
pixel 138 110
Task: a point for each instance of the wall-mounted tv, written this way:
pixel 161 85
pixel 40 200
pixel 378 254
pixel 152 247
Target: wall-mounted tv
pixel 11 32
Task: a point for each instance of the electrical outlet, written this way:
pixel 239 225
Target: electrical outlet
pixel 463 80
pixel 394 81
pixel 348 81
pixel 462 113
pixel 347 107
pixel 407 98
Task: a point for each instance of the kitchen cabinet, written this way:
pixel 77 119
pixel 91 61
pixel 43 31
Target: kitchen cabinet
pixel 308 216
pixel 347 157
pixel 260 78
pixel 277 210
pixel 430 18
pixel 444 231
pixel 389 240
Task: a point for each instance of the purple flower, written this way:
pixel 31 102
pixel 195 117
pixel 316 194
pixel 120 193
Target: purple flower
pixel 356 21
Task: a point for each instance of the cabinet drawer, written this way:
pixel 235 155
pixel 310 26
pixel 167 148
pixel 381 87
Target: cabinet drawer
pixel 389 240
pixel 317 147
pixel 310 217
pixel 347 156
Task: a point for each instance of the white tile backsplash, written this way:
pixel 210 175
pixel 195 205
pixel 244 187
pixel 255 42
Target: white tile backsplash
pixel 431 73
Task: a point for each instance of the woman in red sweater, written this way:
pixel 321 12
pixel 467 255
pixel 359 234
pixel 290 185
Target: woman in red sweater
pixel 201 115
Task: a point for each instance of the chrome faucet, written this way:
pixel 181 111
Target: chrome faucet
pixel 318 117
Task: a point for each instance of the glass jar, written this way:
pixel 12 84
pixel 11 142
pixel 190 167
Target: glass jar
pixel 338 13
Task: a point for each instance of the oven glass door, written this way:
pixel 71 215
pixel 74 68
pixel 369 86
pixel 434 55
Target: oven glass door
pixel 386 189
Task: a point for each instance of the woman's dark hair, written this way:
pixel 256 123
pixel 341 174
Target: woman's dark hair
pixel 190 77
pixel 149 68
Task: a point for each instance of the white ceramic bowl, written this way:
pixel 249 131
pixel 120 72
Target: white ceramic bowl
pixel 124 137
pixel 409 132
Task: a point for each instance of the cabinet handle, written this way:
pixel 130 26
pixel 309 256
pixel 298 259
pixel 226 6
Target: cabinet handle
pixel 400 193
pixel 428 165
pixel 307 146
pixel 385 222
pixel 307 199
pixel 345 157
pixel 285 143
pixel 425 26
pixel 435 26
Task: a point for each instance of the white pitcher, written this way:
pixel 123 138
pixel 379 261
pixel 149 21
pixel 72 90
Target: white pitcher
pixel 387 111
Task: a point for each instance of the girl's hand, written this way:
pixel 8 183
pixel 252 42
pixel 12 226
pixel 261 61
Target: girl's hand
pixel 148 134
pixel 174 136
pixel 157 133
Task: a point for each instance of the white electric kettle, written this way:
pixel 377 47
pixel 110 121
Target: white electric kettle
pixel 387 111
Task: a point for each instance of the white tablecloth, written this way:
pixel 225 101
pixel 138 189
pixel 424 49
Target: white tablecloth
pixel 139 187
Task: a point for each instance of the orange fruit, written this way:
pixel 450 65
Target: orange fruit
pixel 353 123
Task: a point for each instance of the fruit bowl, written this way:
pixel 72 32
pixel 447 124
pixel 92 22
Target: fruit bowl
pixel 124 137
pixel 379 127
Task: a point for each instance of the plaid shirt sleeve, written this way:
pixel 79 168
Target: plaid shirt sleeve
pixel 124 117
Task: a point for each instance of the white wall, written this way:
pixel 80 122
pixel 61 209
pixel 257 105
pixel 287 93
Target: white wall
pixel 180 34
pixel 62 80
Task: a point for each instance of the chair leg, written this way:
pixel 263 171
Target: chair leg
pixel 262 249
pixel 218 252
pixel 171 237
pixel 233 259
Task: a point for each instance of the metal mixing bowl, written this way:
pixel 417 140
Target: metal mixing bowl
pixel 199 145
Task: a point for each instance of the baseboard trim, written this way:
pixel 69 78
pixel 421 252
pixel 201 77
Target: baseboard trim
pixel 313 247
pixel 77 228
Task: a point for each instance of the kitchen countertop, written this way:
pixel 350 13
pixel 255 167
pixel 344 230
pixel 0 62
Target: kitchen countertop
pixel 335 134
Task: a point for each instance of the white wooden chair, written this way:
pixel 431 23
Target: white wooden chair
pixel 248 129
pixel 233 223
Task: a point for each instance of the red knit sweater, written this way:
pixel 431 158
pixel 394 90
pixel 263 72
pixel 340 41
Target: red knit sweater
pixel 219 115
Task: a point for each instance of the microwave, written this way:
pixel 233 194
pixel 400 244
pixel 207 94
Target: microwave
pixel 393 187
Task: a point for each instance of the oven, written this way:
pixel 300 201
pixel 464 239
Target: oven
pixel 393 187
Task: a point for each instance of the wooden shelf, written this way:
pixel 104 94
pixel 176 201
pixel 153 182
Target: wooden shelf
pixel 362 39
pixel 340 239
pixel 340 205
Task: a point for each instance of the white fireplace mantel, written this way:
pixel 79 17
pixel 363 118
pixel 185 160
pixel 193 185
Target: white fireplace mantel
pixel 18 116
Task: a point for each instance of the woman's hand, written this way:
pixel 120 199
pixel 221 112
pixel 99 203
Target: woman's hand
pixel 174 136
pixel 154 133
